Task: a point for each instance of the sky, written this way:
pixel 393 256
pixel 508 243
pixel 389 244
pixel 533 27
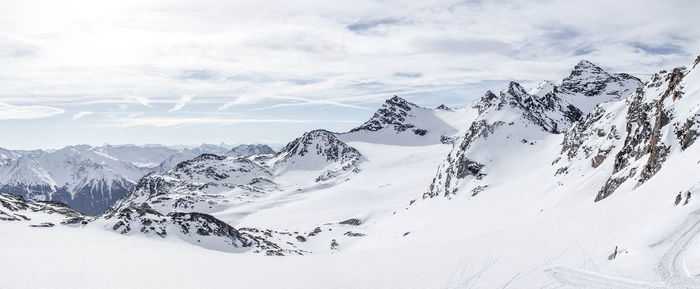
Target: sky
pixel 192 72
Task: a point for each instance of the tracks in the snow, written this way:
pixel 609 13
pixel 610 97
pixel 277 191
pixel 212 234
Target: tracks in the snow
pixel 671 268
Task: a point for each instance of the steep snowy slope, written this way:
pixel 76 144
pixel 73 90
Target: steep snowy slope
pixel 638 134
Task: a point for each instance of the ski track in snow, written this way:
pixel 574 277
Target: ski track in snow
pixel 671 266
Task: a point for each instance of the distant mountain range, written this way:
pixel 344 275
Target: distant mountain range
pixel 90 179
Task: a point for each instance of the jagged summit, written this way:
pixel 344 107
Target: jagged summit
pixel 401 122
pixel 393 113
pixel 317 150
pixel 590 80
pixel 443 107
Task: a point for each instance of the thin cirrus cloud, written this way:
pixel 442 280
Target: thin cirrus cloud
pixel 184 99
pixel 81 114
pixel 169 122
pixel 9 111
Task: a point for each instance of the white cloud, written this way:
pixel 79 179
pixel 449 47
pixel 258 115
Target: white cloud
pixel 81 114
pixel 333 50
pixel 139 99
pixel 184 99
pixel 167 122
pixel 9 111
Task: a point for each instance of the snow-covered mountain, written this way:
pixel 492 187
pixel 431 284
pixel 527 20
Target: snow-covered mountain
pixel 398 121
pixel 212 184
pixel 90 179
pixel 316 151
pixel 513 122
pixel 636 136
pixel 249 149
pixel 590 182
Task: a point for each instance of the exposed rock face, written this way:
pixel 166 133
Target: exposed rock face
pixel 16 208
pixel 197 228
pixel 318 150
pixel 590 80
pixel 595 137
pixel 637 134
pixel 688 133
pixel 648 116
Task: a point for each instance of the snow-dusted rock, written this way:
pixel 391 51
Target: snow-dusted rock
pixel 589 85
pixel 639 133
pixel 317 151
pixel 247 150
pixel 401 122
pixel 196 228
pixel 16 208
pixel 517 115
pixel 206 183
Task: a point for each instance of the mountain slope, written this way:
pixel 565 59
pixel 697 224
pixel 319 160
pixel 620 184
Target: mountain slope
pixel 632 139
pixel 515 122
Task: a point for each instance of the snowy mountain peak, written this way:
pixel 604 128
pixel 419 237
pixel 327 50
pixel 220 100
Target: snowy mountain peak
pixel 630 140
pixel 393 113
pixel 400 102
pixel 516 114
pixel 590 80
pixel 489 99
pixel 585 66
pixel 516 90
pixel 247 150
pixel 443 107
pixel 317 150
